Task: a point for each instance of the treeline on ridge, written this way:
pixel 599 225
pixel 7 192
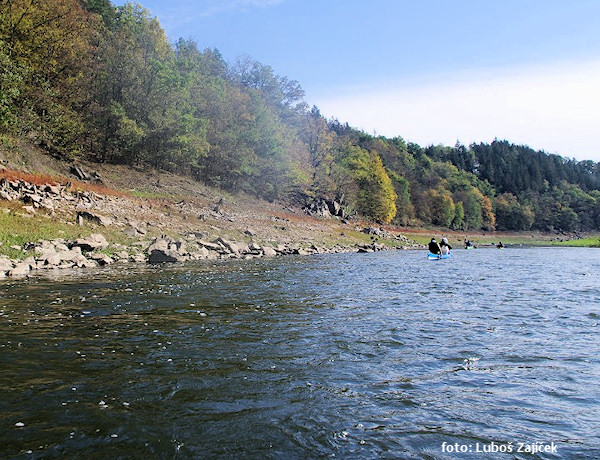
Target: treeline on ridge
pixel 83 78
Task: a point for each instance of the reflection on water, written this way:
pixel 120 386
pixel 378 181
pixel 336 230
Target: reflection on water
pixel 353 356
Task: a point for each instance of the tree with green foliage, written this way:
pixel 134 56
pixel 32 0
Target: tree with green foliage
pixel 103 8
pixel 511 215
pixel 458 223
pixel 46 49
pixel 371 189
pixel 405 210
pixel 320 141
pixel 83 77
pixel 440 206
pixel 11 81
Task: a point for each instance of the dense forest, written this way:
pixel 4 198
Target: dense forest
pixel 83 78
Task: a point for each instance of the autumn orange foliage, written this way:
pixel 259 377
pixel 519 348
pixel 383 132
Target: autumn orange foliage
pixel 37 179
pixel 47 179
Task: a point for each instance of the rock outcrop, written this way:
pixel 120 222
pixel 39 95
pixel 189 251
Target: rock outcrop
pixel 325 207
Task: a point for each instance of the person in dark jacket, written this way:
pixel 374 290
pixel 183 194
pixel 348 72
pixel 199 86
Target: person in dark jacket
pixel 434 247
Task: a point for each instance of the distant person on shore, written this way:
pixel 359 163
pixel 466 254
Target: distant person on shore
pixel 445 246
pixel 434 247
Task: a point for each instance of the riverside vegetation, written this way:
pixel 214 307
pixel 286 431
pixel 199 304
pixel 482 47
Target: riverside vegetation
pixel 51 222
pixel 54 221
pixel 84 81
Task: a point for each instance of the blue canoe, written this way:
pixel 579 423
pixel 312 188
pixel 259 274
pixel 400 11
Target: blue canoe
pixel 437 256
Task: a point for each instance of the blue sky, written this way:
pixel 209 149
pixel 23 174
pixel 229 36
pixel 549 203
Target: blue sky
pixel 431 71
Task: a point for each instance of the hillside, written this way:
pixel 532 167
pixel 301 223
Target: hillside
pixel 133 208
pixel 88 82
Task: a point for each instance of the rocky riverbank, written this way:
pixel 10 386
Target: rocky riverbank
pixel 119 228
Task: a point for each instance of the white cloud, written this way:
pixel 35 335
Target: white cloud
pixel 553 108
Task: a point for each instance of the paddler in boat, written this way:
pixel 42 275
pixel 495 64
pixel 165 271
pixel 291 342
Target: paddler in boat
pixel 434 247
pixel 445 246
pixel 500 245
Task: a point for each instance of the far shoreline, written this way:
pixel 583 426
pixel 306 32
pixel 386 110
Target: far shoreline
pixel 134 215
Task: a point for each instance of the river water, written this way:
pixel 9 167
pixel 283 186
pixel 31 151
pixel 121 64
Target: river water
pixel 385 355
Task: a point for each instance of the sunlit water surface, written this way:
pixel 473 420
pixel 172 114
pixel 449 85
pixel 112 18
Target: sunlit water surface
pixel 350 356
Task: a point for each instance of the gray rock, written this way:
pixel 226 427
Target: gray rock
pixel 301 251
pixel 268 251
pixel 52 260
pixel 32 198
pixel 52 189
pixel 200 254
pixel 178 246
pixel 44 252
pixel 210 246
pixel 134 231
pixel 231 246
pixel 70 258
pixel 5 196
pixel 325 207
pixel 159 244
pixel 60 245
pixel 6 264
pixel 254 247
pixel 139 258
pixel 83 262
pixel 158 256
pixel 20 269
pixel 79 173
pixel 121 255
pixel 94 242
pixel 102 259
pixel 364 249
pixel 47 204
pixel 93 218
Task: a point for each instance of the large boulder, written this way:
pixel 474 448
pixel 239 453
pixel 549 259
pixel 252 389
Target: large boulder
pixel 51 259
pixel 231 246
pixel 94 242
pixel 165 250
pixel 161 243
pixel 75 258
pixel 20 269
pixel 158 256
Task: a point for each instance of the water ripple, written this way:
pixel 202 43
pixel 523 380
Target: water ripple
pixel 355 356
